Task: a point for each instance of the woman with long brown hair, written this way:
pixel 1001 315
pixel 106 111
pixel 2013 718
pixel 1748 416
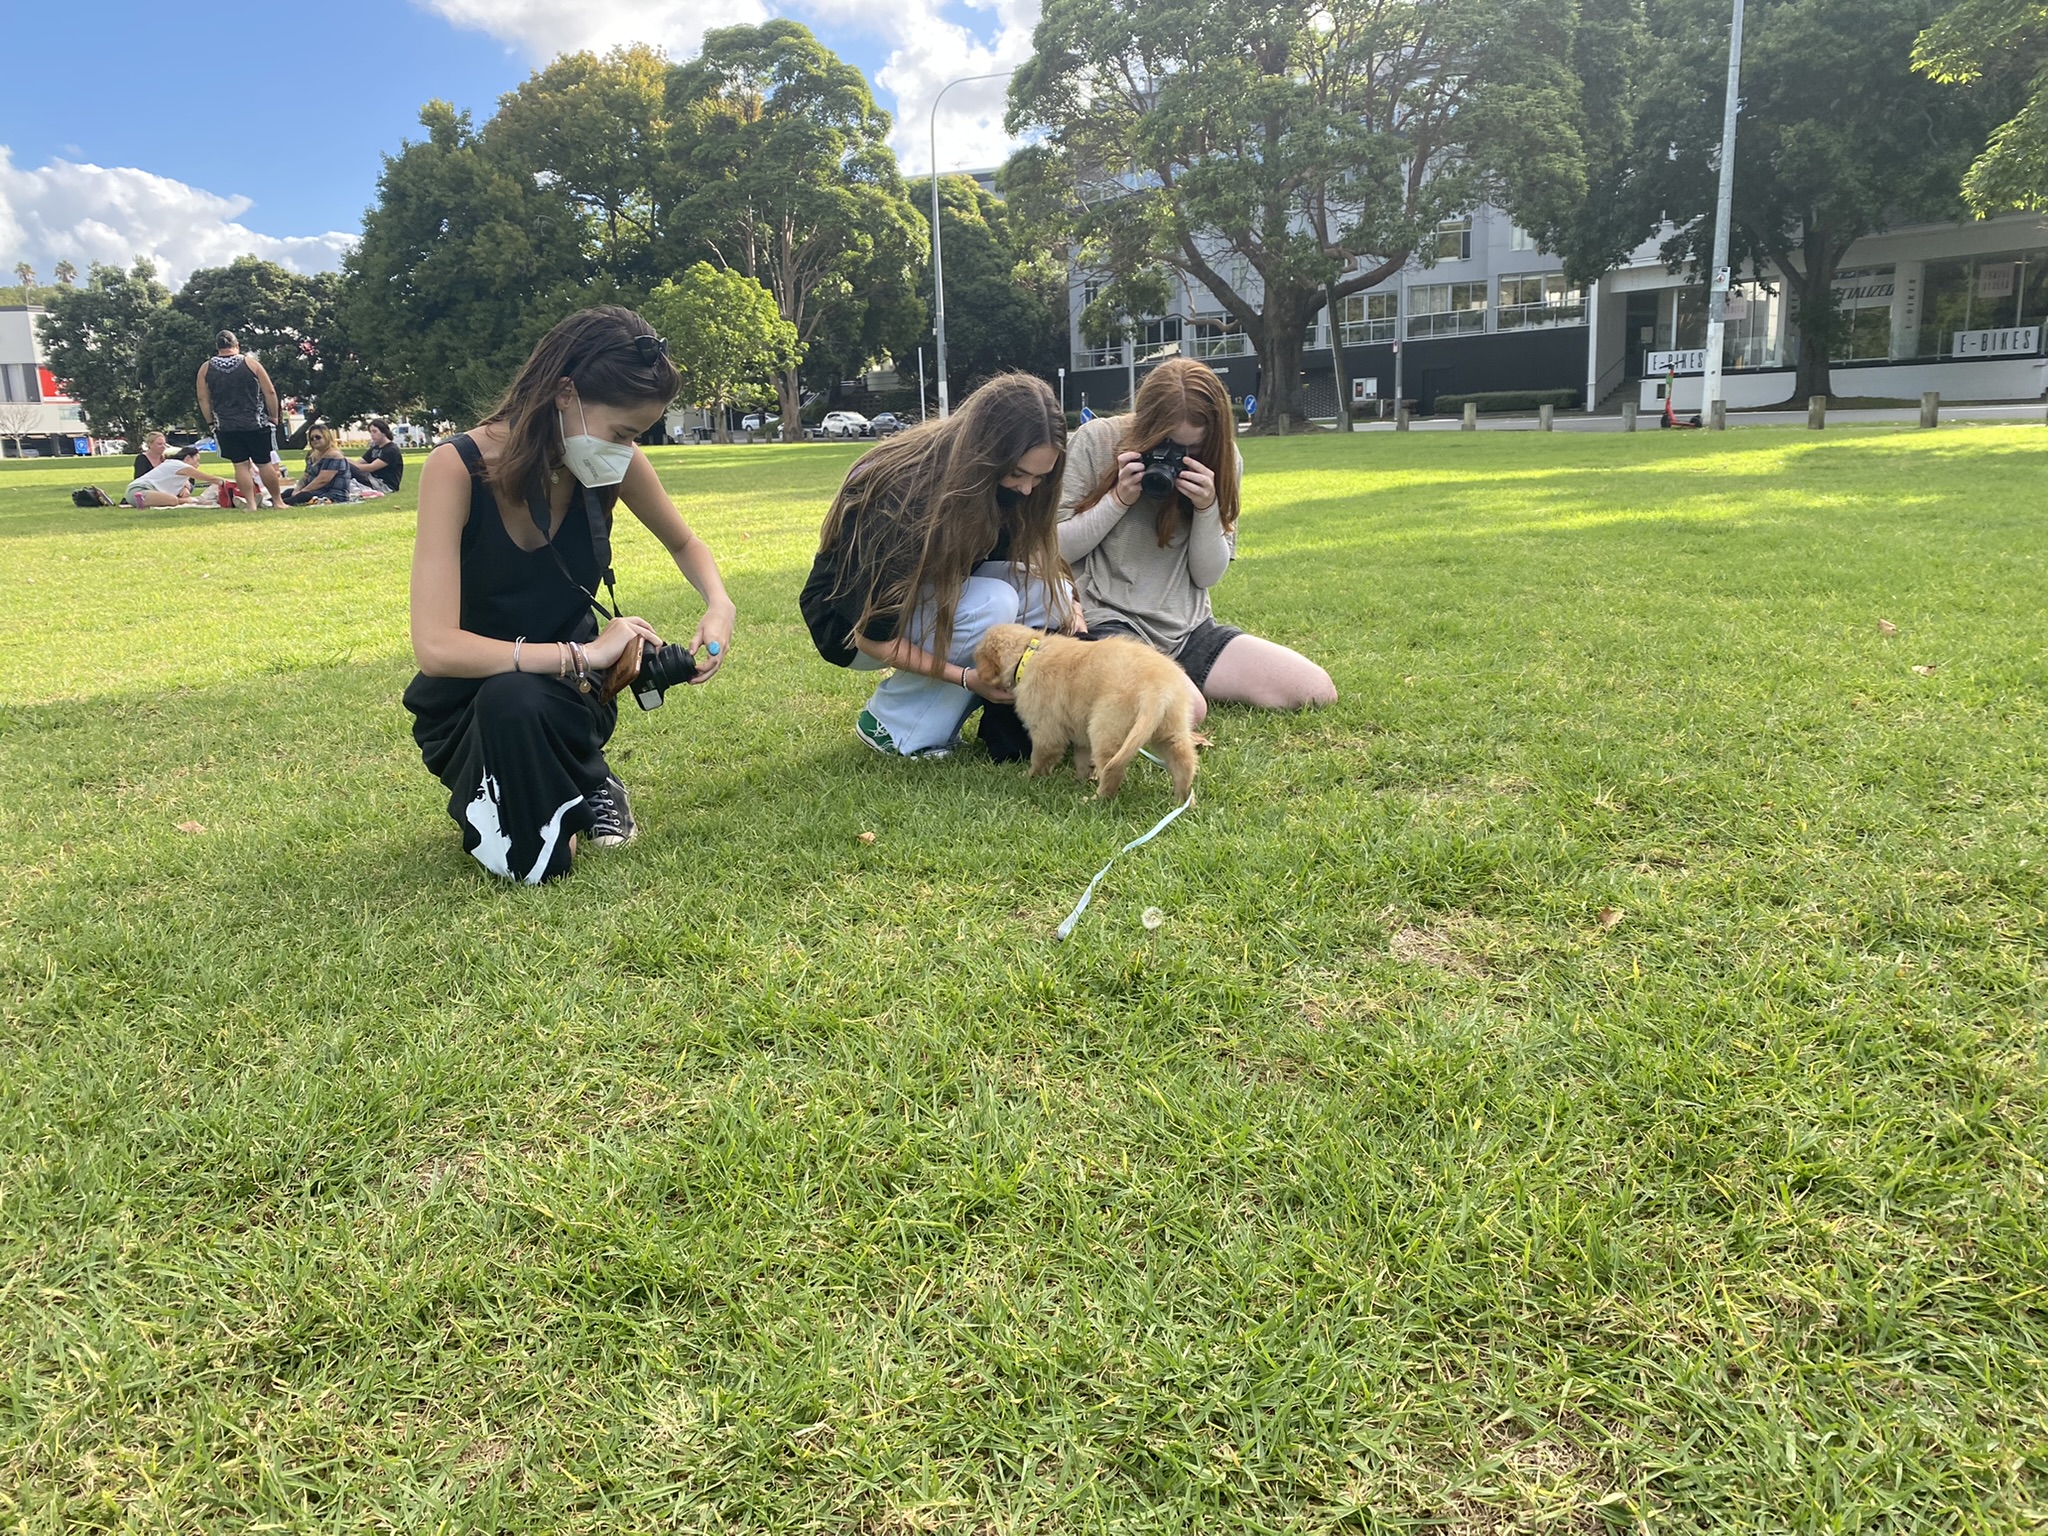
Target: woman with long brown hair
pixel 515 697
pixel 937 535
pixel 1144 557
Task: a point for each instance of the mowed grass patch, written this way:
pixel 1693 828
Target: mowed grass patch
pixel 1591 1077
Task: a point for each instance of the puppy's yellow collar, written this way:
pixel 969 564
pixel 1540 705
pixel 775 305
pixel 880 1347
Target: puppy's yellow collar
pixel 1029 651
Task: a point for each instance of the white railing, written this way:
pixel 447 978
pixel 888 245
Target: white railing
pixel 1363 333
pixel 1537 317
pixel 1101 357
pixel 1454 322
pixel 1235 344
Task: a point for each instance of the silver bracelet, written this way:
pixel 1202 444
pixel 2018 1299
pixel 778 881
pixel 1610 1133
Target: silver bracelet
pixel 515 652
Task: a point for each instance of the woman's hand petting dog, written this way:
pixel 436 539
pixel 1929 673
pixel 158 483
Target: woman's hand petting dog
pixel 993 691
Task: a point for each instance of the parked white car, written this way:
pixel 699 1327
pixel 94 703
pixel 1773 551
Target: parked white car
pixel 758 421
pixel 845 424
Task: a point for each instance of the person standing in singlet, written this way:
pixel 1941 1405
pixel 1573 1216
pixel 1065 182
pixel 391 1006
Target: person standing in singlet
pixel 236 395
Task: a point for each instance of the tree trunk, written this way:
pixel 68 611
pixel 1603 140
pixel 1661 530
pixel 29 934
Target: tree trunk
pixel 789 391
pixel 1338 370
pixel 1821 255
pixel 1281 402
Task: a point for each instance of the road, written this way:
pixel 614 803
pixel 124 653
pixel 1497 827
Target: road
pixel 2020 411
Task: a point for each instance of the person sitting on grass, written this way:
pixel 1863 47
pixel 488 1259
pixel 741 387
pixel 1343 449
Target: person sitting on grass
pixel 155 448
pixel 509 708
pixel 170 483
pixel 383 465
pixel 937 535
pixel 1144 563
pixel 326 477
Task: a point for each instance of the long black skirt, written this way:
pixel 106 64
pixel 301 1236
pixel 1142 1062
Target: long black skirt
pixel 520 754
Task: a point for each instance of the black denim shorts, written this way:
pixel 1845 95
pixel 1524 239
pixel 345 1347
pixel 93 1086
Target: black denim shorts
pixel 1197 653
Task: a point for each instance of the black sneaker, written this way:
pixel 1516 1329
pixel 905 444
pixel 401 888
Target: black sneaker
pixel 611 816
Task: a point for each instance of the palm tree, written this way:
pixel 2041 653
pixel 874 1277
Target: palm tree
pixel 25 275
pixel 67 274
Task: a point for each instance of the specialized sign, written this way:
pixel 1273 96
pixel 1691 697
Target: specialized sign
pixel 1693 361
pixel 2012 341
pixel 1363 390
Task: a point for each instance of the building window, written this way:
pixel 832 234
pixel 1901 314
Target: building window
pixel 1217 336
pixel 1971 307
pixel 1529 300
pixel 1159 337
pixel 1864 298
pixel 1369 317
pixel 1447 309
pixel 1091 290
pixel 1240 275
pixel 1519 239
pixel 1454 239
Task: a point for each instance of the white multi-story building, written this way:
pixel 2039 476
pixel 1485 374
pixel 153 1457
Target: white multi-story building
pixel 34 410
pixel 1957 308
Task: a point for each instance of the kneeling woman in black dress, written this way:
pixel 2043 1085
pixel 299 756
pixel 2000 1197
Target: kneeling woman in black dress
pixel 509 708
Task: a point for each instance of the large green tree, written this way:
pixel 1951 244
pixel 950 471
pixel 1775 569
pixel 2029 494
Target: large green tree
pixel 1006 300
pixel 467 259
pixel 2006 41
pixel 288 319
pixel 93 339
pixel 725 337
pixel 1838 139
pixel 594 129
pixel 1284 156
pixel 781 171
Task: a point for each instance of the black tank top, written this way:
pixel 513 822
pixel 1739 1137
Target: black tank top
pixel 508 591
pixel 237 397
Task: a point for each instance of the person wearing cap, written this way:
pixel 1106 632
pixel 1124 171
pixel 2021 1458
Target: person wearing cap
pixel 236 395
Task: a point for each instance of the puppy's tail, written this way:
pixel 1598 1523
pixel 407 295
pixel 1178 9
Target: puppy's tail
pixel 1144 725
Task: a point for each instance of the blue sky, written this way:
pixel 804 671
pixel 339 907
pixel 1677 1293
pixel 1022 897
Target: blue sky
pixel 191 167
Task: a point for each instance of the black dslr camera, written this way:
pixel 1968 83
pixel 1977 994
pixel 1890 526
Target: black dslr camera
pixel 1162 470
pixel 661 668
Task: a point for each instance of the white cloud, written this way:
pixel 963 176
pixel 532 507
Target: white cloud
pixel 543 28
pixel 969 127
pixel 87 213
pixel 928 48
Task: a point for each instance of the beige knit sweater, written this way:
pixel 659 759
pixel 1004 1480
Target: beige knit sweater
pixel 1119 565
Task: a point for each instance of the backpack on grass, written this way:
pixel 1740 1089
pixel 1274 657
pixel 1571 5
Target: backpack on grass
pixel 92 496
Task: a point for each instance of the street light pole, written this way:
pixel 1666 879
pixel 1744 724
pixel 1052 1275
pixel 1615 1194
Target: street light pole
pixel 1717 290
pixel 938 251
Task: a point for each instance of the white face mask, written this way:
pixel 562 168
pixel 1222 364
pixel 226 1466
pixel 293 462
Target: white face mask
pixel 592 460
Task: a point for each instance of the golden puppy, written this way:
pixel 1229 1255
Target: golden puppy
pixel 1105 698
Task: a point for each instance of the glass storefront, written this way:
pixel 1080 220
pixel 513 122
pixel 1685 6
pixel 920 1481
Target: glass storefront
pixel 1973 306
pixel 1749 335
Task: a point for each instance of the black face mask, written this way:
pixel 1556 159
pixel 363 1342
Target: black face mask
pixel 1009 498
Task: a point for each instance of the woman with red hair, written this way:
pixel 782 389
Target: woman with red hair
pixel 1144 559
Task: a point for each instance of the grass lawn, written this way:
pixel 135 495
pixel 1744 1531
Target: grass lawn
pixel 1590 1078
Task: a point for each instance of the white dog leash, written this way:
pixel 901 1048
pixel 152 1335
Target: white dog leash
pixel 1073 917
